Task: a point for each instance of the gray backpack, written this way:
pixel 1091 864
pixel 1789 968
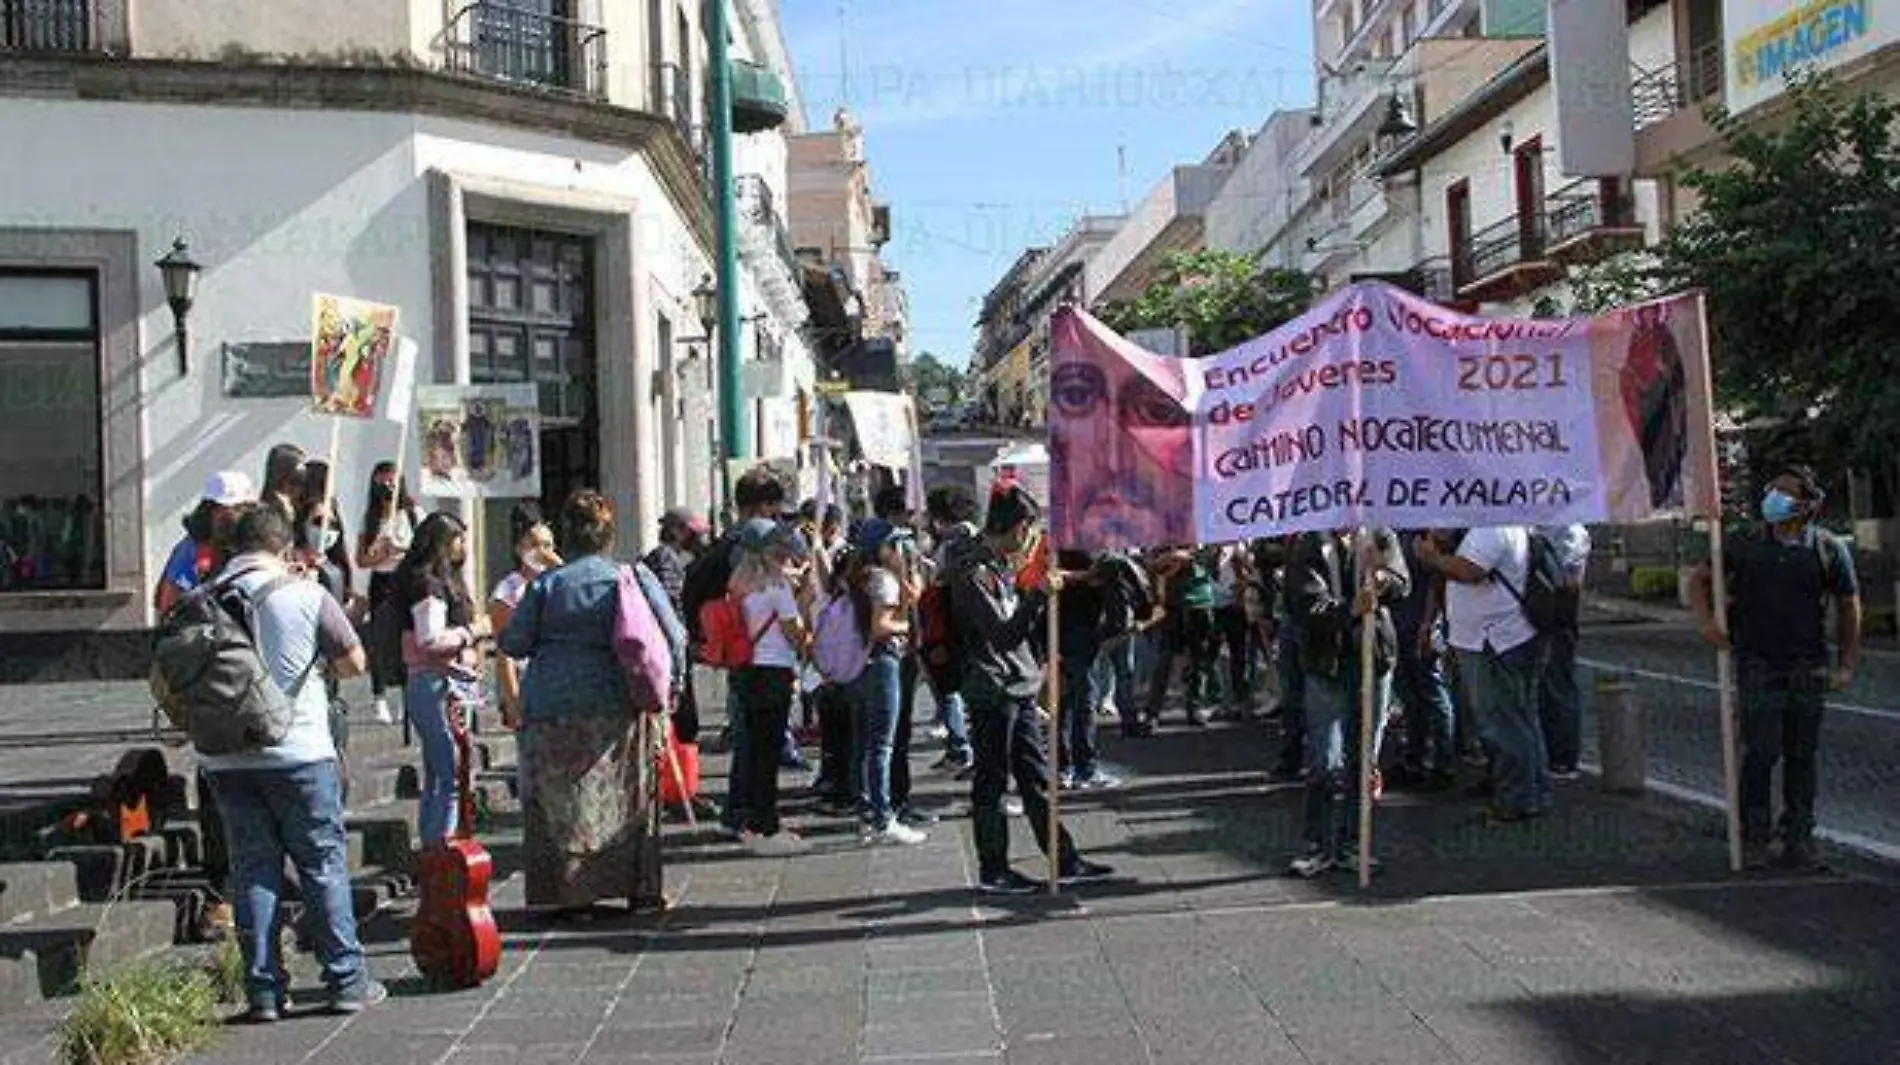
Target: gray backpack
pixel 209 677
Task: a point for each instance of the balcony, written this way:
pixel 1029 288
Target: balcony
pixel 494 40
pixel 759 101
pixel 1669 106
pixel 1504 260
pixel 1588 220
pixel 63 26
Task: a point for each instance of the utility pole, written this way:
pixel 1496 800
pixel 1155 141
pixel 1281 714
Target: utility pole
pixel 733 430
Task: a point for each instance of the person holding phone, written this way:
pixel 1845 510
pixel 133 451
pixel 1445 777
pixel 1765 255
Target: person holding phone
pixel 442 635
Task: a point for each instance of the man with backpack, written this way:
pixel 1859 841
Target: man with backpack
pixel 1782 575
pixel 237 663
pixel 757 494
pixel 1490 601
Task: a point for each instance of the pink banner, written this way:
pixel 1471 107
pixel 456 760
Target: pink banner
pixel 1379 408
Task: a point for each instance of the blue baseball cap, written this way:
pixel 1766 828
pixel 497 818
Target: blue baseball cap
pixel 764 534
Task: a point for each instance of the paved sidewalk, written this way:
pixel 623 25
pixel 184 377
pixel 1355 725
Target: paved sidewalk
pixel 1607 933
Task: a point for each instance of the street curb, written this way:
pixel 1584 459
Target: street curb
pixel 1849 855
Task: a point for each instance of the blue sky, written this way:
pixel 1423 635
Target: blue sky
pixel 990 124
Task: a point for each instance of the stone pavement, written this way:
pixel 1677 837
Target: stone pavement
pixel 1609 932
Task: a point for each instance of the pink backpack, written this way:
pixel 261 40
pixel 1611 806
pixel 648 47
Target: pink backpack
pixel 838 648
pixel 646 661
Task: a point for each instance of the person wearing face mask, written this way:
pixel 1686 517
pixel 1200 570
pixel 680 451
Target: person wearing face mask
pixel 1781 576
pixel 534 555
pixel 389 524
pixel 319 543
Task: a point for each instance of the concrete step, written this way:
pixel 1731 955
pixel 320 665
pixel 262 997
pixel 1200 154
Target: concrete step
pixel 36 889
pixel 59 949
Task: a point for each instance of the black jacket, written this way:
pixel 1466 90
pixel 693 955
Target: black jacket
pixel 995 622
pixel 1320 587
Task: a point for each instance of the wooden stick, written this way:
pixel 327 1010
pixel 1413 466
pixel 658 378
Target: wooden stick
pixel 1055 728
pixel 329 479
pixel 1368 677
pixel 1724 658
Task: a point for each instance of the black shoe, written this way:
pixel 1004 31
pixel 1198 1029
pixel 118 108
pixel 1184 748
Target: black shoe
pixel 1801 857
pixel 915 818
pixel 1007 882
pixel 1283 775
pixel 1138 731
pixel 1082 871
pixel 833 806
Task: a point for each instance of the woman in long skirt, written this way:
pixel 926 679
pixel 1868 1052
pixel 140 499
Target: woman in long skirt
pixel 587 758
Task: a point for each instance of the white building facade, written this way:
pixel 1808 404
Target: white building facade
pixel 522 181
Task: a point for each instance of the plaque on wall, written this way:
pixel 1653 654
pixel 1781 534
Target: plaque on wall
pixel 270 370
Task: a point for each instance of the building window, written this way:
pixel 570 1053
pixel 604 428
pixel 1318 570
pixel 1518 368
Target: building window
pixel 51 477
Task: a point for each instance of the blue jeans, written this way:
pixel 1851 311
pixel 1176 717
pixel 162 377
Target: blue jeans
pixel 296 812
pixel 1431 724
pixel 1114 677
pixel 875 701
pixel 1080 697
pixel 1332 754
pixel 953 715
pixel 426 702
pixel 1559 702
pixel 1501 690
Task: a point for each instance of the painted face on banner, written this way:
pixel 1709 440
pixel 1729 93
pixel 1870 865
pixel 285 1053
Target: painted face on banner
pixel 1121 471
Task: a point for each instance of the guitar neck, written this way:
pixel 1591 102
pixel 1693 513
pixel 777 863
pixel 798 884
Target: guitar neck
pixel 464 777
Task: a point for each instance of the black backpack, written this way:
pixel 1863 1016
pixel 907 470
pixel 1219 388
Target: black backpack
pixel 706 581
pixel 1547 599
pixel 208 675
pixel 1128 598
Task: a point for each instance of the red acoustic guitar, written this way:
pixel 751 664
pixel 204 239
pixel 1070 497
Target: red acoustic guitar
pixel 453 936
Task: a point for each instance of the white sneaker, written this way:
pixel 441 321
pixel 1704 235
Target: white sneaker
pixel 1013 806
pixel 381 710
pixel 897 834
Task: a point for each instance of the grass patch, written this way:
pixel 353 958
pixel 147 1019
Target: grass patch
pixel 140 1014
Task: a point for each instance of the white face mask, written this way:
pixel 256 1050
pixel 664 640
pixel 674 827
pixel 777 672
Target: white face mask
pixel 534 561
pixel 321 537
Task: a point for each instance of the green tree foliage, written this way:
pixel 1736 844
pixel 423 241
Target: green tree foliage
pixel 1797 243
pixel 931 376
pixel 1222 298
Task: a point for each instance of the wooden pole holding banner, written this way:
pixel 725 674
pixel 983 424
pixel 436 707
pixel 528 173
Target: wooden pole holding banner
pixel 1368 678
pixel 1718 606
pixel 1055 729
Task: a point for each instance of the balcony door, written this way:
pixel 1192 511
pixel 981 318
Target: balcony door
pixel 1527 167
pixel 527 40
pixel 1458 231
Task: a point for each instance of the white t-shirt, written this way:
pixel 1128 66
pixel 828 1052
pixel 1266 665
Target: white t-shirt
pixel 400 531
pixel 881 587
pixel 510 589
pixel 1487 614
pixel 772 649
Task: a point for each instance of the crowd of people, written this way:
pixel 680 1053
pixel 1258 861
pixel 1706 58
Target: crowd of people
pixel 829 630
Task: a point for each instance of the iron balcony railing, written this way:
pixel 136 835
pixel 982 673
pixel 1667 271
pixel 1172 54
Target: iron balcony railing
pixel 496 40
pixel 673 96
pixel 1581 207
pixel 1432 280
pixel 761 207
pixel 1502 245
pixel 69 26
pixel 1660 93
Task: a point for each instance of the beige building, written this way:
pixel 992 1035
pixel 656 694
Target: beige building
pixel 525 181
pixel 861 314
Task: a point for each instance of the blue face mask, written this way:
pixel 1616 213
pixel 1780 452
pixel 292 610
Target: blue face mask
pixel 1778 506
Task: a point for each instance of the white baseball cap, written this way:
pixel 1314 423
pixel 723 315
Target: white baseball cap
pixel 229 488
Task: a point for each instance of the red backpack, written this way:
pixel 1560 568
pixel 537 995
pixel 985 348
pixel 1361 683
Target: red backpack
pixel 726 642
